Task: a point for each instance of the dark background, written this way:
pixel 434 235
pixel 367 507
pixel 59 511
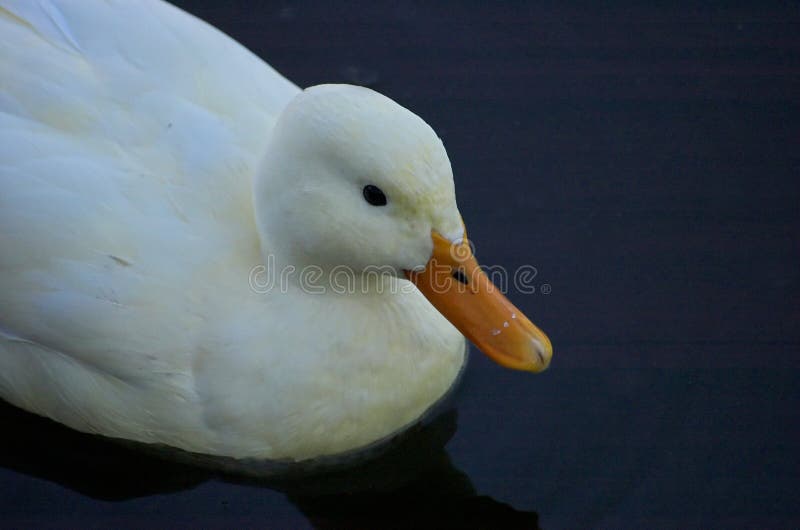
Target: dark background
pixel 646 161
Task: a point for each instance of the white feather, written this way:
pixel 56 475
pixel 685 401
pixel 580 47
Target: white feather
pixel 130 134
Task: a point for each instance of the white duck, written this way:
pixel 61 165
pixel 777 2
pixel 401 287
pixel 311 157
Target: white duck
pixel 155 177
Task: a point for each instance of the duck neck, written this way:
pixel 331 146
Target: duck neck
pixel 286 270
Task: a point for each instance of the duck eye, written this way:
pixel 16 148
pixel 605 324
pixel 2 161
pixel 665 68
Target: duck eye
pixel 374 195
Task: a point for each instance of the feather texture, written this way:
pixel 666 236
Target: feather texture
pixel 129 136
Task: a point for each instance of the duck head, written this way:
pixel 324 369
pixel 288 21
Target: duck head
pixel 352 179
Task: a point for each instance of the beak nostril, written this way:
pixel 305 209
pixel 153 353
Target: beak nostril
pixel 458 275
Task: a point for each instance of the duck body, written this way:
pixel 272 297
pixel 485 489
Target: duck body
pixel 130 134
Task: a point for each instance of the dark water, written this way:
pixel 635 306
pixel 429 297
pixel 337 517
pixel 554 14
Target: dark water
pixel 647 162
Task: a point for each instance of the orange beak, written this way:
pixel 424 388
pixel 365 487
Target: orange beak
pixel 454 283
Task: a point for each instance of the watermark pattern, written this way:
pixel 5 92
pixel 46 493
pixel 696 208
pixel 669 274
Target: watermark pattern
pixel 341 279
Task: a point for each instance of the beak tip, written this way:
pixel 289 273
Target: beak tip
pixel 543 353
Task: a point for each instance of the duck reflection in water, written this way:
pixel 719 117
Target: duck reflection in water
pixel 411 484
